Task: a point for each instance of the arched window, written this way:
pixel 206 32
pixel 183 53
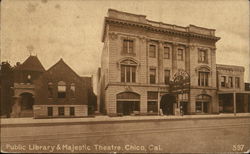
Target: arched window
pixel 128 71
pixel 72 89
pixel 128 103
pixel 61 89
pixel 50 89
pixel 202 103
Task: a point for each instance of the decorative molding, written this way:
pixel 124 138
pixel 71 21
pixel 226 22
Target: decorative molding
pixel 113 35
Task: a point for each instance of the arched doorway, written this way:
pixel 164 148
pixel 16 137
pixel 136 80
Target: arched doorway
pixel 128 103
pixel 26 104
pixel 167 104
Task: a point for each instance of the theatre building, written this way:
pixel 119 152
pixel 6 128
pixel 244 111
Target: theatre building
pixel 60 92
pixel 145 63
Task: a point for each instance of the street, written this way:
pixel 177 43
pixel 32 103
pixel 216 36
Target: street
pixel 147 136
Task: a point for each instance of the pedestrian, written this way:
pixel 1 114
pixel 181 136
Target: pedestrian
pixel 181 110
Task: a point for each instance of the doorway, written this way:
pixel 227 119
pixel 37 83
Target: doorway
pixel 184 106
pixel 167 104
pixel 27 102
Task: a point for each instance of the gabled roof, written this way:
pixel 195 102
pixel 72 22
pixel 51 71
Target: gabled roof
pixel 32 63
pixel 61 62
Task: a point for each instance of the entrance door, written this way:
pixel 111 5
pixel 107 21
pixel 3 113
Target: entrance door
pixel 26 103
pixel 184 107
pixel 167 104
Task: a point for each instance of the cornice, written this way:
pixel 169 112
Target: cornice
pixel 159 29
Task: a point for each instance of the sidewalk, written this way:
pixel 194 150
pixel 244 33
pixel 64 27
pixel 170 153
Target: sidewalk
pixel 106 119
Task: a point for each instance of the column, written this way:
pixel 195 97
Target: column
pixel 187 59
pixel 174 58
pixel 16 107
pixel 234 101
pixel 160 63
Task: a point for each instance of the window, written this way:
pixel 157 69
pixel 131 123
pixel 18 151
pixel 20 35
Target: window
pixel 203 78
pixel 72 90
pixel 29 78
pixel 230 82
pixel 50 111
pixel 180 54
pixel 152 106
pixel 152 51
pixel 128 46
pixel 152 102
pixel 152 95
pixel 152 75
pixel 50 90
pixel 167 76
pixel 237 82
pixel 71 111
pixel 128 73
pixel 202 56
pixel 198 107
pixel 61 111
pixel 166 53
pixel 223 81
pixel 201 105
pixel 61 89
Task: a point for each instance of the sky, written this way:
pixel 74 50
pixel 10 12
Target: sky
pixel 72 29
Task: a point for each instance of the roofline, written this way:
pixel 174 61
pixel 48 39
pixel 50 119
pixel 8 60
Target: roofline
pixel 146 25
pixel 66 65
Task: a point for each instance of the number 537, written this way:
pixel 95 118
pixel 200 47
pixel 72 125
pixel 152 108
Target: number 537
pixel 238 147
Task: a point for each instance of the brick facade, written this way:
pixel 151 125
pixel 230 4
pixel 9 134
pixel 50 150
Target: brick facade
pixel 45 97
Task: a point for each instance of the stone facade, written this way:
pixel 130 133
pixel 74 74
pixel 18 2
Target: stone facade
pixel 155 47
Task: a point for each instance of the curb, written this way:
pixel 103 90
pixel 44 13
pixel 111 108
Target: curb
pixel 115 121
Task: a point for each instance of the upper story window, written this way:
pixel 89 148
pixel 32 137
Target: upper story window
pixel 202 56
pixel 166 53
pixel 237 82
pixel 72 90
pixel 152 51
pixel 61 89
pixel 203 77
pixel 29 78
pixel 50 90
pixel 152 75
pixel 128 71
pixel 180 54
pixel 166 76
pixel 230 82
pixel 128 46
pixel 223 81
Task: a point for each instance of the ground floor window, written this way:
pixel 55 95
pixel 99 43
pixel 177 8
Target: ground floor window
pixel 61 111
pixel 50 111
pixel 152 101
pixel 128 103
pixel 152 106
pixel 128 107
pixel 201 107
pixel 71 111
